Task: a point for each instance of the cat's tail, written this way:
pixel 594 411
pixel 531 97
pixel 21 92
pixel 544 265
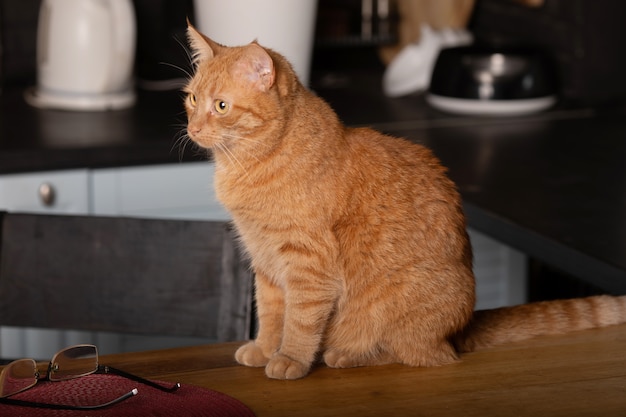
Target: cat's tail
pixel 508 324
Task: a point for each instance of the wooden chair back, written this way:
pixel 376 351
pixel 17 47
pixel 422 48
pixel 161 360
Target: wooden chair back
pixel 126 275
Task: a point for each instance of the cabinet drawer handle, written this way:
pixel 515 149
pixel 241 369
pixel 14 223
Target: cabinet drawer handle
pixel 47 194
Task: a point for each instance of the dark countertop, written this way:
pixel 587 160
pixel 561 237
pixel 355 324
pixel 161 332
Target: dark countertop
pixel 552 185
pixel 150 132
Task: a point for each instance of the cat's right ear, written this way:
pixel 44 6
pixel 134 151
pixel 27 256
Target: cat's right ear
pixel 202 48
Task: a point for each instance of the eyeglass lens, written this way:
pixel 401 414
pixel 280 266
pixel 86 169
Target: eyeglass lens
pixel 73 362
pixel 69 363
pixel 18 376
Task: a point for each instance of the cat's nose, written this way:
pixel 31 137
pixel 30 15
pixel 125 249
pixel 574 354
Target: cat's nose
pixel 193 130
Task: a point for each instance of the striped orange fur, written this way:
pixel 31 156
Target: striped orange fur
pixel 357 239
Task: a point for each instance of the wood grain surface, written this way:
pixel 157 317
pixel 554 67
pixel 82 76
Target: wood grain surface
pixel 580 374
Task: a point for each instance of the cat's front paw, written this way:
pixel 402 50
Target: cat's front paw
pixel 282 367
pixel 251 355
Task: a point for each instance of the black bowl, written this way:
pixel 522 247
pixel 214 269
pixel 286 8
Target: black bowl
pixel 472 79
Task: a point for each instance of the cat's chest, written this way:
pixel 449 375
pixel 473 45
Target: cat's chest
pixel 264 251
pixel 270 199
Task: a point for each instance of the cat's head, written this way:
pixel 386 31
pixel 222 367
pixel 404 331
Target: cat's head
pixel 237 95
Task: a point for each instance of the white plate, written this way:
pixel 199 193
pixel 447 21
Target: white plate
pixel 490 107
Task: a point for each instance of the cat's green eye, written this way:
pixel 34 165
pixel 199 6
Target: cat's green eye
pixel 221 106
pixel 192 99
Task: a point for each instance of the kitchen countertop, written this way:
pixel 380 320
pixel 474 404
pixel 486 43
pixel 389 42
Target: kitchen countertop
pixel 150 132
pixel 552 185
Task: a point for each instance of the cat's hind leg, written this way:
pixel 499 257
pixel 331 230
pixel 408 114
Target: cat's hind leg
pixel 337 358
pixel 424 353
pixel 416 341
pixel 350 342
pixel 382 334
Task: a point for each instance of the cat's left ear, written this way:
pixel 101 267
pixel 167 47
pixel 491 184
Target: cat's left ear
pixel 257 67
pixel 202 48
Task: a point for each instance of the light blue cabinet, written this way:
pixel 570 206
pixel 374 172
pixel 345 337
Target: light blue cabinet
pixel 53 192
pixel 182 191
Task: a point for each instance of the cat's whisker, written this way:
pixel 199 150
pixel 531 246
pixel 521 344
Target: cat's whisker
pixel 255 141
pixel 232 157
pixel 246 151
pixel 182 140
pixel 186 49
pixel 226 152
pixel 192 60
pixel 252 155
pixel 181 143
pixel 246 139
pixel 178 67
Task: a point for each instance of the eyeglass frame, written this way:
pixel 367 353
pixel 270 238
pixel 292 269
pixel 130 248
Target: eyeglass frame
pixel 100 369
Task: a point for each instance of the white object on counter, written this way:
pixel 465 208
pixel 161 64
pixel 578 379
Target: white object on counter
pixel 472 107
pixel 410 71
pixel 47 99
pixel 85 55
pixel 287 26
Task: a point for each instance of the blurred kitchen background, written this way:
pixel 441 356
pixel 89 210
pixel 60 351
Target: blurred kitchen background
pixel 356 44
pixel 584 38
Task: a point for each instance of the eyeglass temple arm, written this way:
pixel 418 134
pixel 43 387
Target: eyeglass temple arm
pixel 110 370
pixel 23 403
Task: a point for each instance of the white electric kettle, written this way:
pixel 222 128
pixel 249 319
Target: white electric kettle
pixel 85 55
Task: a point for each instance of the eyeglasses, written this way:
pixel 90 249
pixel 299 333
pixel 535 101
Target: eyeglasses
pixel 69 363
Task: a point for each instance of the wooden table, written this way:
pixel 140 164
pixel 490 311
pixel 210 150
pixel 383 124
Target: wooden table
pixel 580 374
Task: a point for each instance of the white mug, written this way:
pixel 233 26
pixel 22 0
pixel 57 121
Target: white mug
pixel 286 26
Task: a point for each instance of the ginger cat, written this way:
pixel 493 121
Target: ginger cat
pixel 357 239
